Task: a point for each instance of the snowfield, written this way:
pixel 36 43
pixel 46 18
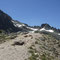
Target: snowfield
pixel 18 25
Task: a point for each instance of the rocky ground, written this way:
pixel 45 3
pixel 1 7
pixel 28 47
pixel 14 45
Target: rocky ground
pixel 31 46
pixel 9 51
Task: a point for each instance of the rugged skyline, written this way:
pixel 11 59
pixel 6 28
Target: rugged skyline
pixel 33 12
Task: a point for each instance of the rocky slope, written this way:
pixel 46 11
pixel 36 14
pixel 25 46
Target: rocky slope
pixel 31 46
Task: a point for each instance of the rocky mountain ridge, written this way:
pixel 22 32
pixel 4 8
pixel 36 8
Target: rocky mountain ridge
pixel 8 24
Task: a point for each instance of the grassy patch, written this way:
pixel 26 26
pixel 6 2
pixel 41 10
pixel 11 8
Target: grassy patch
pixel 34 54
pixel 5 37
pixel 43 57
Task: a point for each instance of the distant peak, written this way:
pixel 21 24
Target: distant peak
pixel 47 26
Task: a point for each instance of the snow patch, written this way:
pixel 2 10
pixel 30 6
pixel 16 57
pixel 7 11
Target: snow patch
pixel 32 29
pixel 43 29
pixel 50 30
pixel 58 33
pixel 16 24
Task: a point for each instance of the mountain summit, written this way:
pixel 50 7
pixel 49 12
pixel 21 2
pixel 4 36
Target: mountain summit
pixel 47 26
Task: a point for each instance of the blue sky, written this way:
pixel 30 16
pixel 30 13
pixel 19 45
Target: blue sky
pixel 33 12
